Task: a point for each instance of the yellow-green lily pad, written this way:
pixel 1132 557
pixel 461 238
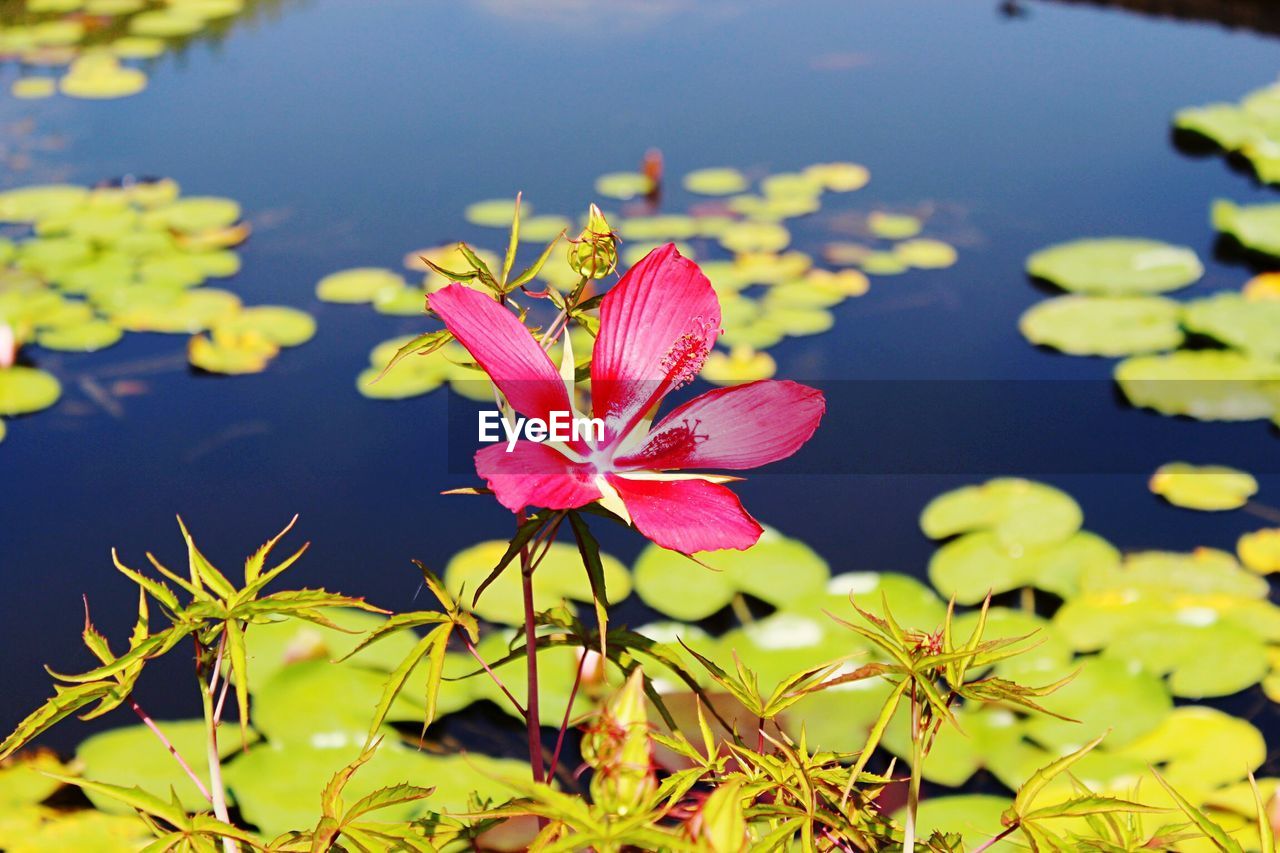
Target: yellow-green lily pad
pixel 1251 326
pixel 89 336
pixel 1104 325
pixel 362 284
pixel 279 324
pixel 925 253
pixel 893 226
pixel 1021 513
pixel 1116 266
pixel 623 185
pixel 715 181
pixel 1209 385
pixel 755 237
pixel 1254 226
pixel 1204 487
pixel 26 389
pixel 1259 551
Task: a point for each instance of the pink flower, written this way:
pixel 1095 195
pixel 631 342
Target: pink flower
pixel 656 327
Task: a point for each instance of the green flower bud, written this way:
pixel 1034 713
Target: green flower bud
pixel 595 253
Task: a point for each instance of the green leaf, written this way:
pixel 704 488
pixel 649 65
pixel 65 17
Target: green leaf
pixel 1212 831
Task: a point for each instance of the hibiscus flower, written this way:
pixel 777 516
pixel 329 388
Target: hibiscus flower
pixel 656 327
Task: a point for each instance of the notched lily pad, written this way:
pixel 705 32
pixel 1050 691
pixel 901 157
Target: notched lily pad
pixel 1104 325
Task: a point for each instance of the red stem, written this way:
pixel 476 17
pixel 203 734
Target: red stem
pixel 533 727
pixel 1001 837
pixel 496 680
pixel 173 750
pixel 568 710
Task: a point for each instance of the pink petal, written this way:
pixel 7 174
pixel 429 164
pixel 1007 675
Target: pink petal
pixel 733 428
pixel 504 348
pixel 656 327
pixel 687 515
pixel 534 474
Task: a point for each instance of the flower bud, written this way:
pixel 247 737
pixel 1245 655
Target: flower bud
pixel 595 253
pixel 619 750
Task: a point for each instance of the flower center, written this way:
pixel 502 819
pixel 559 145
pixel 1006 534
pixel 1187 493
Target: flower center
pixel 684 360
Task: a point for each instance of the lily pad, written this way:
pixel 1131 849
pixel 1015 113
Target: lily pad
pixel 89 336
pixel 1259 551
pixel 495 213
pixel 231 353
pixel 1254 226
pixel 893 226
pixel 1105 696
pixel 354 286
pixel 623 185
pixel 1190 743
pixel 560 576
pixel 276 785
pixel 194 214
pixel 31 88
pixel 742 364
pixel 756 237
pixel 977 564
pixel 789 185
pixel 715 181
pixel 1202 656
pixel 1104 325
pixel 1209 385
pixel 1208 487
pixel 926 254
pixel 1116 266
pixel 170 22
pixel 101 76
pixel 285 709
pixel 1251 326
pixel 1021 513
pixel 883 263
pixel 26 389
pixel 279 324
pixel 839 177
pixel 133 755
pixel 680 588
pixel 977 817
pixel 1263 287
pixel 29 204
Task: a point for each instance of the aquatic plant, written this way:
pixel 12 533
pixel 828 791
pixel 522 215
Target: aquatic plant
pixel 776 734
pixel 83 266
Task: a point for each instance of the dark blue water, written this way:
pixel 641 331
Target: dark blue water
pixel 353 132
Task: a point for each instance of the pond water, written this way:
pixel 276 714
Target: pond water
pixel 354 132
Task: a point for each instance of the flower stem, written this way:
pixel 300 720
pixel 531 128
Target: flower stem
pixel 568 710
pixel 212 714
pixel 471 647
pixel 1005 833
pixel 173 750
pixel 913 791
pixel 533 727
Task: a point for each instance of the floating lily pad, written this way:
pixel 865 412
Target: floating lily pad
pixel 560 576
pixel 789 185
pixel 495 213
pixel 755 237
pixel 926 254
pixel 773 208
pixel 715 182
pixel 194 214
pixel 977 817
pixel 1225 124
pixel 1190 743
pixel 893 226
pixel 31 88
pixel 760 334
pixel 1116 266
pixel 1254 226
pixel 782 644
pixel 101 76
pixel 656 229
pixel 913 604
pixel 543 229
pixel 137 47
pixel 737 366
pixel 1021 513
pixel 1208 385
pixel 232 353
pixel 279 324
pixel 845 283
pixel 86 830
pixel 362 284
pixel 170 22
pixel 839 177
pixel 133 755
pixel 680 588
pixel 1104 325
pixel 977 564
pixel 26 389
pixel 1207 487
pixel 276 785
pixel 1251 326
pixel 285 709
pixel 1202 655
pixel 623 185
pixel 1260 550
pixel 1105 696
pixel 23 781
pixel 143 308
pixel 89 336
pixel 883 263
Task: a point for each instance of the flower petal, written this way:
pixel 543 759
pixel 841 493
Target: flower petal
pixel 733 428
pixel 534 474
pixel 687 515
pixel 656 327
pixel 505 349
